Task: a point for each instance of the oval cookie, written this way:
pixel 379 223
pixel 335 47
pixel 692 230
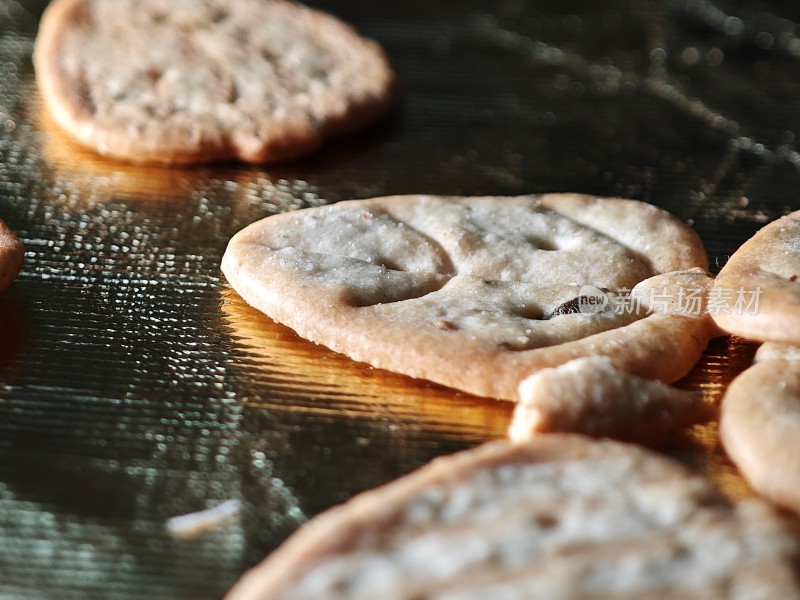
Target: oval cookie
pixel 757 293
pixel 197 80
pixel 476 293
pixel 564 516
pixel 760 429
pixel 12 254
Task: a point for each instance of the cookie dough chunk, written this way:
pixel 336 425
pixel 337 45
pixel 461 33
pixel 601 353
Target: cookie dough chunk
pixel 477 293
pixel 197 80
pixel 562 515
pixel 757 294
pixel 760 429
pixel 590 396
pixel 12 253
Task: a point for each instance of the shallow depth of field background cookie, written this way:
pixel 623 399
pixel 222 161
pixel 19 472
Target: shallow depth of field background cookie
pixel 197 80
pixel 138 386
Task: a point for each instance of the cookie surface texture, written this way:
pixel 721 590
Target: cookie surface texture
pixel 590 396
pixel 757 293
pixel 777 350
pixel 760 429
pixel 198 80
pixel 476 293
pixel 12 254
pixel 562 515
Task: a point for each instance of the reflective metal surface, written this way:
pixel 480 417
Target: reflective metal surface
pixel 135 385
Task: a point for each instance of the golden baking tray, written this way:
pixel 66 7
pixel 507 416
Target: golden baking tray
pixel 135 385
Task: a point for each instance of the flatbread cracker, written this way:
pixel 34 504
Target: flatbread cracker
pixel 590 396
pixel 757 293
pixel 760 429
pixel 12 254
pixel 560 517
pixel 198 80
pixel 477 293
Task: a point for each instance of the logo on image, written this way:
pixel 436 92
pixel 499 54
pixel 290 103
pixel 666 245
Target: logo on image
pixel 592 300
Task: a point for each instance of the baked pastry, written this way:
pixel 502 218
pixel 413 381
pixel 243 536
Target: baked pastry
pixel 197 80
pixel 757 292
pixel 477 293
pixel 590 396
pixel 562 515
pixel 760 429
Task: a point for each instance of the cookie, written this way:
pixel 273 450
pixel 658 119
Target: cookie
pixel 199 80
pixel 562 515
pixel 757 294
pixel 776 350
pixel 476 293
pixel 760 429
pixel 590 396
pixel 12 254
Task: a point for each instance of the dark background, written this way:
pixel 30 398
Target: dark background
pixel 134 385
